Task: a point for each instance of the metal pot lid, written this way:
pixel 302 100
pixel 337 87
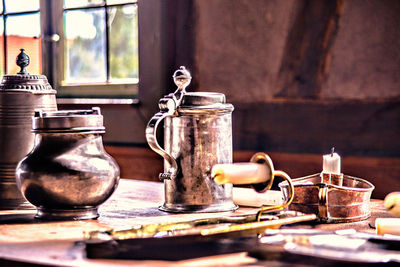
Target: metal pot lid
pixel 200 102
pixel 191 103
pixel 202 98
pixel 23 81
pixel 68 121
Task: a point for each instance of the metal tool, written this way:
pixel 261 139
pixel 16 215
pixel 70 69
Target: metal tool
pixel 212 227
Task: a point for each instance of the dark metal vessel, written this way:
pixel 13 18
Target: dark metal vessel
pixel 68 174
pixel 20 95
pixel 197 135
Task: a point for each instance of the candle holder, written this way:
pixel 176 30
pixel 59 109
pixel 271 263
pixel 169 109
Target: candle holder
pixel 262 158
pixel 260 178
pixel 332 203
pixel 331 195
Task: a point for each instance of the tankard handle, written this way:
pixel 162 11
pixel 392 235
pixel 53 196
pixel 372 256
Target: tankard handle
pixel 151 137
pixel 168 107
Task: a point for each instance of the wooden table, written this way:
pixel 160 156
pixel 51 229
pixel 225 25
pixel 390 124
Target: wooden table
pixel 26 240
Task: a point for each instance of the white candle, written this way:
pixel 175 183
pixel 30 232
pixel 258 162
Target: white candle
pixel 331 163
pixel 240 173
pixel 387 226
pixel 250 198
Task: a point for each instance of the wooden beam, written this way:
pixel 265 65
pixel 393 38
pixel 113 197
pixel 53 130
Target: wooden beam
pixel 307 53
pixel 353 127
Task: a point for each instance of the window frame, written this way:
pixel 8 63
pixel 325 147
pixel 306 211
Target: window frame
pixel 5 15
pixel 52 24
pixel 162 25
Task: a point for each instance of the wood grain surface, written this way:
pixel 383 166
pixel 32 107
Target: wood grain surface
pixel 27 240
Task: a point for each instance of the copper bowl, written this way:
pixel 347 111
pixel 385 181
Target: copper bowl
pixel 347 202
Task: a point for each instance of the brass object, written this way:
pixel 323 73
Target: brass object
pixel 20 95
pixel 197 135
pixel 333 203
pixel 68 174
pixel 262 158
pixel 211 227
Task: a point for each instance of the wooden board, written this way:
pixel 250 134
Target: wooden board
pixel 24 239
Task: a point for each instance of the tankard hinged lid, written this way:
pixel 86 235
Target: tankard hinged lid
pixel 25 82
pixel 65 121
pixel 184 103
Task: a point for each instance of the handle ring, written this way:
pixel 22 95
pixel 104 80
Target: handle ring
pixel 263 158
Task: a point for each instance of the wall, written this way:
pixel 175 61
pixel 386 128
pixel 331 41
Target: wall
pixel 240 48
pixel 304 76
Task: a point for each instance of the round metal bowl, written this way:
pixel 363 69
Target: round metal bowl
pixel 347 202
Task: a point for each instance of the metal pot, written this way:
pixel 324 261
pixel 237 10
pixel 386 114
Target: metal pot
pixel 68 174
pixel 20 95
pixel 197 135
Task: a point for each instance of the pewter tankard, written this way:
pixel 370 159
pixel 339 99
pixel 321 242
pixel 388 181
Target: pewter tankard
pixel 20 95
pixel 197 135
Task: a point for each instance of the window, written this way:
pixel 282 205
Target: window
pixel 87 48
pixel 19 28
pixel 156 27
pixel 99 45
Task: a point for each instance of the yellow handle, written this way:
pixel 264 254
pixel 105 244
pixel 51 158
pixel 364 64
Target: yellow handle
pixel 286 177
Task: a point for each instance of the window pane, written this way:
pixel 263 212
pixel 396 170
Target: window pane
pixel 1 46
pixel 112 2
pixel 123 36
pixel 1 6
pixel 81 3
pixel 85 46
pixel 21 5
pixel 23 31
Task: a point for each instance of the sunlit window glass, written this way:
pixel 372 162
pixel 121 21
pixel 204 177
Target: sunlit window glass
pixel 1 46
pixel 123 42
pixel 23 31
pixel 81 3
pixel 13 6
pixel 113 2
pixel 85 46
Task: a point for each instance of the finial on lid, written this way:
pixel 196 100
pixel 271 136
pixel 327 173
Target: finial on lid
pixel 182 78
pixel 22 61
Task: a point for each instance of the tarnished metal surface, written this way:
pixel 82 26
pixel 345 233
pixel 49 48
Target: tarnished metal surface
pixel 332 203
pixel 20 95
pixel 197 135
pixel 197 143
pixel 68 174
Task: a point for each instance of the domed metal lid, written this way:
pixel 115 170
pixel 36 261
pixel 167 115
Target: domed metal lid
pixel 204 102
pixel 23 81
pixel 192 103
pixel 63 121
